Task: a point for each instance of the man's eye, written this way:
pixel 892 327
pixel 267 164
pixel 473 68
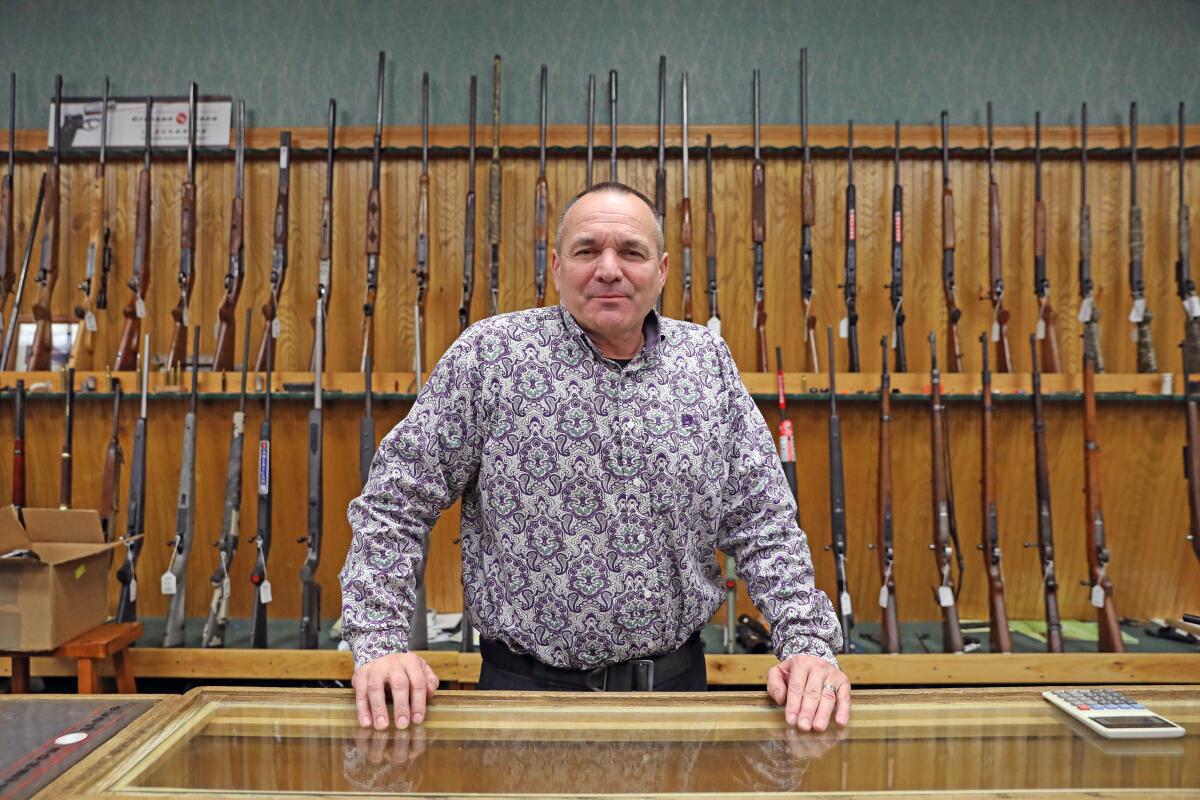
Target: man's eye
pixel 583 252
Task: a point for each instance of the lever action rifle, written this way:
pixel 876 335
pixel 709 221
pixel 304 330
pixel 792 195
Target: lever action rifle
pixel 710 241
pixel 236 274
pixel 6 206
pixel 758 232
pixel 135 516
pixel 884 544
pixel 848 329
pixel 231 520
pixel 325 253
pixel 139 282
pixel 114 457
pixel 1000 314
pixel 68 448
pixel 1045 542
pixel 1101 591
pixel 999 637
pixel 808 217
pixel 591 131
pixel 18 480
pixel 541 201
pixel 1047 329
pixel 943 545
pixel 187 245
pixel 954 360
pixel 310 590
pixel 95 284
pixel 7 354
pixel 1139 315
pixel 47 275
pixel 612 125
pixel 262 534
pixel 1186 287
pixel 279 255
pixel 374 236
pixel 1191 455
pixel 468 275
pixel 174 580
pixel 1089 315
pixel 896 287
pixel 660 173
pixel 421 270
pixel 837 506
pixel 685 214
pixel 495 185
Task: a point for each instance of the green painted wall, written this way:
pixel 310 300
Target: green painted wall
pixel 870 60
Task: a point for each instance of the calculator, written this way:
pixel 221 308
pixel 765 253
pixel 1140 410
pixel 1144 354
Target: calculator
pixel 1112 714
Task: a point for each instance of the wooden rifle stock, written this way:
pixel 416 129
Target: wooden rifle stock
pixel 47 277
pixel 279 254
pixel 1047 317
pixel 135 511
pixel 99 261
pixel 1045 542
pixel 1000 314
pixel 954 359
pixel 374 236
pixel 943 549
pixel 187 246
pixel 884 542
pixel 1000 639
pixel 235 276
pixel 1097 537
pixel 808 217
pixel 114 457
pixel 127 350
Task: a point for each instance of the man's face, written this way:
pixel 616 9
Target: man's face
pixel 606 265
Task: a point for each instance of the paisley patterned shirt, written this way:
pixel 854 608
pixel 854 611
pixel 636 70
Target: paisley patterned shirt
pixel 594 496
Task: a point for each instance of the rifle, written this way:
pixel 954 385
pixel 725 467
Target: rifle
pixel 787 439
pixel 1045 542
pixel 943 541
pixel 837 506
pixel 495 185
pixel 65 465
pixel 177 355
pixel 591 129
pixel 999 637
pixel 113 459
pixel 1089 315
pixel 710 241
pixel 374 235
pixel 135 518
pixel 174 580
pixel 310 590
pixel 1191 455
pixel 1139 315
pixel 6 205
pixel 139 282
pixel 1097 540
pixel 235 276
pixel 896 287
pixel 18 482
pixel 366 433
pixel 660 173
pixel 541 201
pixel 884 543
pixel 848 329
pixel 94 286
pixel 325 253
pixel 468 280
pixel 279 254
pixel 808 216
pixel 231 520
pixel 1000 314
pixel 954 360
pixel 612 125
pixel 47 275
pixel 422 268
pixel 685 229
pixel 262 534
pixel 758 232
pixel 1183 276
pixel 1047 330
pixel 7 354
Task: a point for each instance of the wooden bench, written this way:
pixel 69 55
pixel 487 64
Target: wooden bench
pixel 110 640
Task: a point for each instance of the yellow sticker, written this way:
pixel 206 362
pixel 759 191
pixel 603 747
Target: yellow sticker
pixel 82 568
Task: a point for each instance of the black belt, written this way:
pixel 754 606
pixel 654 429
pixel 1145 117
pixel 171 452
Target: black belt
pixel 635 675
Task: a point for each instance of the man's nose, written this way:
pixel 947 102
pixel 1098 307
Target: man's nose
pixel 608 266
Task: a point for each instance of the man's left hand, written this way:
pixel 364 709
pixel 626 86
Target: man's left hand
pixel 812 688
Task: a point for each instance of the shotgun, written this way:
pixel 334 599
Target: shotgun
pixel 468 275
pixel 174 580
pixel 808 218
pixel 236 274
pixel 1000 314
pixel 1089 315
pixel 139 282
pixel 6 205
pixel 1139 315
pixel 954 360
pixel 495 186
pixel 685 214
pixel 262 534
pixel 758 232
pixel 1186 287
pixel 1098 556
pixel 7 354
pixel 896 287
pixel 186 278
pixel 1047 328
pixel 310 590
pixel 110 483
pixel 848 328
pixel 135 516
pixel 47 275
pixel 837 506
pixel 279 254
pixel 374 236
pixel 68 448
pixel 710 241
pixel 999 638
pixel 943 545
pixel 421 270
pixel 18 482
pixel 1045 542
pixel 612 125
pixel 884 544
pixel 591 131
pixel 541 201
pixel 325 251
pixel 99 260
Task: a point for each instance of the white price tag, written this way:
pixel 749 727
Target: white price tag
pixel 844 602
pixel 714 325
pixel 1085 310
pixel 283 158
pixel 275 328
pixel 1192 306
pixel 264 592
pixel 945 596
pixel 995 331
pixel 1041 329
pixel 168 582
pixel 1098 596
pixel 884 597
pixel 140 307
pixel 844 328
pixel 89 322
pixel 1138 312
pixel 133 590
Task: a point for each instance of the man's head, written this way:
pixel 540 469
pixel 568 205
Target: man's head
pixel 609 260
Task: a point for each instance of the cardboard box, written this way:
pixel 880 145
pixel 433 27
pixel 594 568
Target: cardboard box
pixel 57 590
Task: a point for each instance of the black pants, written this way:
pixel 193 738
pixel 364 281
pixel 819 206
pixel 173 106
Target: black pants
pixel 693 679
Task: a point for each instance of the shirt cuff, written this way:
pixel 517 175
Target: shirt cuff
pixel 376 644
pixel 808 646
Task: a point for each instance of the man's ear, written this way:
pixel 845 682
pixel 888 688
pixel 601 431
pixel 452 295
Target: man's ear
pixel 554 264
pixel 663 269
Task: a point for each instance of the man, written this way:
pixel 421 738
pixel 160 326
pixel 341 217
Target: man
pixel 602 453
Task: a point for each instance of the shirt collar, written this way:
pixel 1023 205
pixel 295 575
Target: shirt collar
pixel 651 330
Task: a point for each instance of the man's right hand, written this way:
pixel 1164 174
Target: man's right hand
pixel 411 681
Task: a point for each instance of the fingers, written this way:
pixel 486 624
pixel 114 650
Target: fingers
pixel 376 699
pixel 797 683
pixel 360 701
pixel 843 702
pixel 826 704
pixel 417 684
pixel 398 680
pixel 777 678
